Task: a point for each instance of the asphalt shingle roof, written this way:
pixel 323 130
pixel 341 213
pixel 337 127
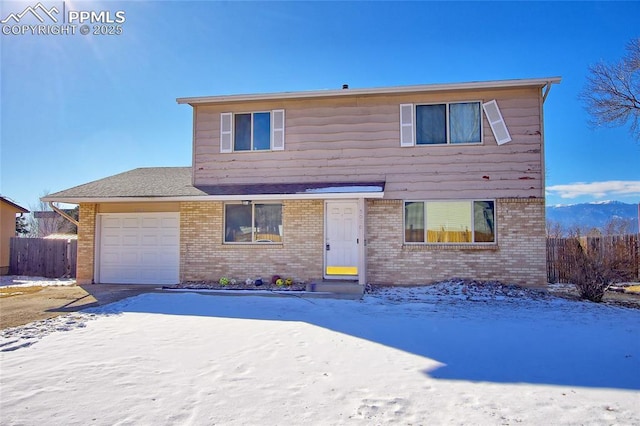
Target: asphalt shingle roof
pixel 142 182
pixel 172 182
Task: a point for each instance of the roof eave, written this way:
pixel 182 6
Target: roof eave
pixel 20 209
pixel 495 84
pixel 252 197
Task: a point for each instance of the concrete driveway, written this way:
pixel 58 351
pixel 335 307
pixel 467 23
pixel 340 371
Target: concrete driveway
pixel 32 300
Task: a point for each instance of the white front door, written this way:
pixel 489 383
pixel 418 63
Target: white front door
pixel 341 245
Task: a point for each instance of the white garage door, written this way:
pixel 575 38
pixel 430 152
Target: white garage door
pixel 139 248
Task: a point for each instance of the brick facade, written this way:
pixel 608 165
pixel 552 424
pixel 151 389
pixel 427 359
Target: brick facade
pixel 519 256
pixel 86 243
pixel 205 257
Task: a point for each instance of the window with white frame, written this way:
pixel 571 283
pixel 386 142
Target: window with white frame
pixel 449 123
pixel 252 131
pixel 455 222
pixel 253 223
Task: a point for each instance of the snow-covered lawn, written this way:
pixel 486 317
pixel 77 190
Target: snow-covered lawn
pixel 447 354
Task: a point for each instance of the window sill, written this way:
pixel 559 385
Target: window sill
pixel 243 151
pixel 253 244
pixel 450 144
pixel 450 246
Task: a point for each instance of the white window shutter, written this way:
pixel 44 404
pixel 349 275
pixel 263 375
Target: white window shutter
pixel 226 132
pixel 277 130
pixel 496 122
pixel 407 132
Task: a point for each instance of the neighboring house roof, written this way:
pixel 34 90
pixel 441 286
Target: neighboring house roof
pixel 14 205
pixel 174 184
pixel 46 214
pixel 496 84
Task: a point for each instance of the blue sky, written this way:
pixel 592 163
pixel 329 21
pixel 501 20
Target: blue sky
pixel 76 108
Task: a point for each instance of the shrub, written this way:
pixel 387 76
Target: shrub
pixel 599 263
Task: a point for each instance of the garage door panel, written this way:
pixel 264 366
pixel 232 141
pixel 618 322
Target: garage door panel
pixel 128 257
pixel 152 258
pixel 130 222
pixel 140 248
pixel 166 258
pixel 169 222
pixel 111 222
pixel 123 275
pixel 131 240
pixel 167 239
pixel 150 222
pixel 110 257
pixel 149 240
pixel 111 240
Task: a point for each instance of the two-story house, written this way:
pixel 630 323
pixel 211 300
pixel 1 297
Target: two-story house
pixel 394 185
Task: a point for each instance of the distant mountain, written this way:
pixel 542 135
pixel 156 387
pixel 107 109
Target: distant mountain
pixel 593 215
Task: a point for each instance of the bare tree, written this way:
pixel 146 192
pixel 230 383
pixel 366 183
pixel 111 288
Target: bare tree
pixel 554 229
pixel 44 221
pixel 612 92
pixel 619 226
pixel 42 226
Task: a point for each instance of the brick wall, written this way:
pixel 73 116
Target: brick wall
pixel 519 256
pixel 205 257
pixel 86 243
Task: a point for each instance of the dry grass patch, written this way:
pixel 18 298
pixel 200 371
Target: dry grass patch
pixel 16 291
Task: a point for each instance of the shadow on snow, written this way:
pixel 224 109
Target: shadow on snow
pixel 475 342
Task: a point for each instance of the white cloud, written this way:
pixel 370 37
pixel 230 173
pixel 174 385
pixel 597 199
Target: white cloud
pixel 596 189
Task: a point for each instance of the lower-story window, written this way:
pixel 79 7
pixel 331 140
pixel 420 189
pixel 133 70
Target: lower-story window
pixel 455 222
pixel 252 223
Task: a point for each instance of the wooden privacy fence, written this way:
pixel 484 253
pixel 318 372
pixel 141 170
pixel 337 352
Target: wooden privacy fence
pixel 561 264
pixel 39 257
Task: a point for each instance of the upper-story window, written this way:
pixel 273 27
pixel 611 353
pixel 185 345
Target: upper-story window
pixel 252 131
pixel 450 123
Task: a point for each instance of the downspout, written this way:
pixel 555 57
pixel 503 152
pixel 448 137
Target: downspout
pixel 547 89
pixel 545 93
pixel 63 214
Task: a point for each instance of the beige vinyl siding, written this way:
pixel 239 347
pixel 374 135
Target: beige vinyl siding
pixel 358 139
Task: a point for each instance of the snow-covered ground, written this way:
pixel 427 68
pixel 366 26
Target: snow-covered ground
pixel 22 281
pixel 453 353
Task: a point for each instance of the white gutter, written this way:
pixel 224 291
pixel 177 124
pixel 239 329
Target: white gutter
pixel 535 82
pixel 63 214
pixel 252 197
